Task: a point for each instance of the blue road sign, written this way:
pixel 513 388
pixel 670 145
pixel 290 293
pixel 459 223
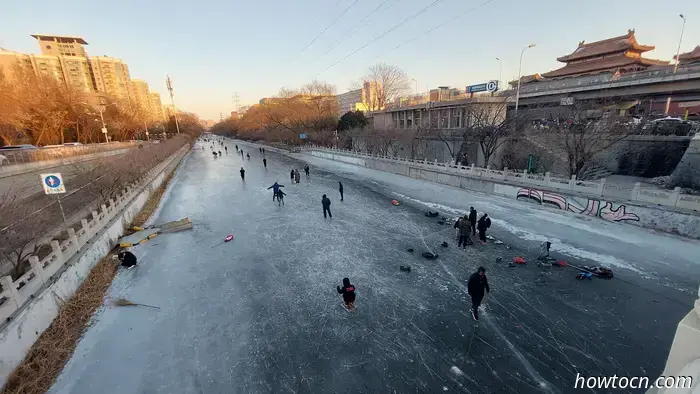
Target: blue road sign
pixel 53 183
pixel 302 136
pixel 490 86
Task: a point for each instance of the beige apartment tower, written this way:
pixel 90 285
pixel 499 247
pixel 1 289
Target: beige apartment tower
pixel 111 77
pixel 61 45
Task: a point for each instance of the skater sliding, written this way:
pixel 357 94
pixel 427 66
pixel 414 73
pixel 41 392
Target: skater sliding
pixel 348 292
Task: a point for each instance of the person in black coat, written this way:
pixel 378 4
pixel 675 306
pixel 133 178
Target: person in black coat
pixel 472 219
pixel 483 224
pixel 127 258
pixel 242 173
pixel 340 189
pixel 326 206
pixel 306 170
pixel 291 175
pixel 348 292
pixel 475 286
pixel 265 162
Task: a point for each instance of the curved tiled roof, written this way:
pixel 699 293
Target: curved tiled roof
pixel 691 56
pixel 607 46
pixel 606 64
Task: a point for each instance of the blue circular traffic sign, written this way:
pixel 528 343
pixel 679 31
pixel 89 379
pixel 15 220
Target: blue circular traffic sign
pixel 52 181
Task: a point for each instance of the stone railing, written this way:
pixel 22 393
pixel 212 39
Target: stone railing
pixel 598 188
pixel 15 294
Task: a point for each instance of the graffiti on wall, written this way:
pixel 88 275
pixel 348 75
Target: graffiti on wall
pixel 605 210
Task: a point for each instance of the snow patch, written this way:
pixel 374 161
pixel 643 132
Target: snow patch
pixel 456 371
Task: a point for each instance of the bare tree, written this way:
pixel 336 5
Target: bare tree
pixel 586 129
pixel 20 232
pixel 382 84
pixel 490 127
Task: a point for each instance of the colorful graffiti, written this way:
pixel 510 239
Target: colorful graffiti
pixel 605 210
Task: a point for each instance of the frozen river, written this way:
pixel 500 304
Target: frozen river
pixel 261 313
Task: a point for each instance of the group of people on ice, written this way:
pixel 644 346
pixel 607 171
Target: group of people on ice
pixel 469 224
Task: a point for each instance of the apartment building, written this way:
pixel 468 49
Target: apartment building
pixel 61 45
pixel 140 92
pixel 156 106
pixel 112 77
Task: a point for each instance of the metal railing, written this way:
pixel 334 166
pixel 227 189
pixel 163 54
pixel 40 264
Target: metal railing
pixel 24 156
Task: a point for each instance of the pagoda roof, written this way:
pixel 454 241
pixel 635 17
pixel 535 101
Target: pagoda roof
pixel 688 57
pixel 607 46
pixel 602 65
pixel 526 79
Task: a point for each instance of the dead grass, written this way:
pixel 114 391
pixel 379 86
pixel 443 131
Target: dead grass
pixel 55 346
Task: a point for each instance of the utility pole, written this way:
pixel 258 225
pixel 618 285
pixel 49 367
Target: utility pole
pixel 675 67
pixel 169 85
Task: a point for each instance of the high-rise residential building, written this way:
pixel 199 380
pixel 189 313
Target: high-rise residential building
pixel 10 61
pixel 140 92
pixel 156 107
pixel 111 77
pixel 348 101
pixel 61 45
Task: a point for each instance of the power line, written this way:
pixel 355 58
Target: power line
pixel 437 27
pixel 415 14
pixel 329 25
pixel 325 51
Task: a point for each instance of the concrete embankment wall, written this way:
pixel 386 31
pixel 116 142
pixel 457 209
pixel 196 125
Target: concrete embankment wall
pixel 29 309
pixel 17 169
pixel 675 222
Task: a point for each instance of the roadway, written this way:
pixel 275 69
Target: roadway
pixel 261 314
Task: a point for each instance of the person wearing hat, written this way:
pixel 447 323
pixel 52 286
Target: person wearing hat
pixel 475 286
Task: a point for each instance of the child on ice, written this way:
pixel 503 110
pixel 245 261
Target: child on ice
pixel 348 292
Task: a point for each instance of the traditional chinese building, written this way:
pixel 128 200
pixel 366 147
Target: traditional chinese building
pixel 688 58
pixel 621 54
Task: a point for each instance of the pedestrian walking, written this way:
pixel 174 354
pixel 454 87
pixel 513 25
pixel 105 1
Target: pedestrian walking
pixel 326 206
pixel 464 229
pixel 226 149
pixel 475 287
pixel 340 189
pixel 236 147
pixel 291 175
pixel 263 151
pixel 306 170
pixel 472 219
pixel 265 163
pixel 483 224
pixel 242 173
pixel 248 155
pixel 297 175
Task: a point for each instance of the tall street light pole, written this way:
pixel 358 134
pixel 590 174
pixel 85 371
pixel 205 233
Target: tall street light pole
pixel 675 67
pixel 500 73
pixel 414 80
pixel 520 67
pixel 169 85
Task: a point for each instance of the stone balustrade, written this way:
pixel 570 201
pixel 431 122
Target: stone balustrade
pixel 15 294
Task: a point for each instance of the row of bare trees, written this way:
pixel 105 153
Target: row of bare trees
pixel 41 110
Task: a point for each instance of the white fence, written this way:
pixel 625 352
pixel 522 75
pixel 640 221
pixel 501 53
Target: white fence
pixel 638 194
pixel 16 293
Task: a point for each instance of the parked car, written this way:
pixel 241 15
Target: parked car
pixel 4 161
pixel 18 147
pixel 72 144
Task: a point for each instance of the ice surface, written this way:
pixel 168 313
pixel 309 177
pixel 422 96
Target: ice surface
pixel 261 313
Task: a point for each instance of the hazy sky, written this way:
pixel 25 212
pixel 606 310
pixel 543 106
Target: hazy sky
pixel 213 48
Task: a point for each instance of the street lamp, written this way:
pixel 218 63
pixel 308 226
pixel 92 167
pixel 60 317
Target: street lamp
pixel 102 108
pixel 675 67
pixel 520 67
pixel 500 73
pixel 414 80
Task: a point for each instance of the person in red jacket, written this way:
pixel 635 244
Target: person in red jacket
pixel 348 292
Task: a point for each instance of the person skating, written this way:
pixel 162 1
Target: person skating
pixel 483 224
pixel 297 176
pixel 475 287
pixel 127 259
pixel 242 173
pixel 275 188
pixel 219 153
pixel 280 197
pixel 291 176
pixel 326 206
pixel 226 149
pixel 472 219
pixel 265 163
pixel 248 155
pixel 263 151
pixel 348 292
pixel 236 147
pixel 306 170
pixel 340 189
pixel 464 229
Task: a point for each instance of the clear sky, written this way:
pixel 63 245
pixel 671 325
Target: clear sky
pixel 213 48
